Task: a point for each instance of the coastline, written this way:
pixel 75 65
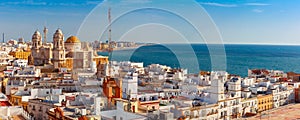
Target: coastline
pixel 126 48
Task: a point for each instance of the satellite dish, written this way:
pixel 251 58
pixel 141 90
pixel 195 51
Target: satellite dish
pixel 47 97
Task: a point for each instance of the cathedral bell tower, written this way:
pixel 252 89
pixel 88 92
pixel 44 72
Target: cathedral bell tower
pixel 36 40
pixel 58 49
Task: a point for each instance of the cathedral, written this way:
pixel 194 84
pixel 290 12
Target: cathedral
pixel 71 54
pixel 40 52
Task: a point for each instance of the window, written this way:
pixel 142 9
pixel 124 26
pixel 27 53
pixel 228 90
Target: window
pixel 113 92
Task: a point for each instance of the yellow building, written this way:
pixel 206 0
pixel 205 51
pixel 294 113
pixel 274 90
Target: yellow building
pixel 16 100
pixel 100 60
pixel 265 102
pixel 20 54
pixel 69 63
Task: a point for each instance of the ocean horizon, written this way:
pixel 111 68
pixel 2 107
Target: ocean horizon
pixel 196 57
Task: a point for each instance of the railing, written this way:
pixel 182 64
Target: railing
pixel 26 115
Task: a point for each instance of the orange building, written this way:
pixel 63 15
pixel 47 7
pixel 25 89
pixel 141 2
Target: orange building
pixel 112 88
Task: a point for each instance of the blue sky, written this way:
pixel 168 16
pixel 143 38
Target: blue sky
pixel 247 21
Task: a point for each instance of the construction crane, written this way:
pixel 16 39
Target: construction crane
pixel 110 49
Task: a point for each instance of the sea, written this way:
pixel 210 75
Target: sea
pixel 196 57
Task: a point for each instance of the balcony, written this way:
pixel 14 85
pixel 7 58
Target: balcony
pixel 211 113
pixel 222 116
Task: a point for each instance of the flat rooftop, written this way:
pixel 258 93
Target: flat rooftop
pixel 288 112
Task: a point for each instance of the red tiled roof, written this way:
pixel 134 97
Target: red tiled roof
pixel 4 103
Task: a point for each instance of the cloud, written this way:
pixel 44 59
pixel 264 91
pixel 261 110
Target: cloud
pixel 30 2
pixel 48 13
pixel 66 4
pixel 93 2
pixel 24 3
pixel 257 4
pixel 219 4
pixel 258 10
pixel 136 1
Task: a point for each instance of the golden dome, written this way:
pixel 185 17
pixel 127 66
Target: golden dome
pixel 72 39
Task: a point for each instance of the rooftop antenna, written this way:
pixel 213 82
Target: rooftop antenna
pixel 3 37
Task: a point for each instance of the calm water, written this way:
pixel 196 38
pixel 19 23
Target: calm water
pixel 239 58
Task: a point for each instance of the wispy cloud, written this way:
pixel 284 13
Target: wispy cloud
pixel 91 2
pixel 136 1
pixel 24 3
pixel 30 2
pixel 66 4
pixel 48 13
pixel 258 10
pixel 219 4
pixel 257 4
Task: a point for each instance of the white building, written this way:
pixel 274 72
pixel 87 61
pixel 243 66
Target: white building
pixel 120 114
pixel 130 85
pixel 218 80
pixel 249 105
pixel 39 107
pixel 20 63
pixel 248 81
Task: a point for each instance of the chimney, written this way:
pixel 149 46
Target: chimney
pixel 3 37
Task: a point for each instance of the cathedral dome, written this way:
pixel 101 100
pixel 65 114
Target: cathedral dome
pixel 58 34
pixel 36 35
pixel 72 39
pixel 58 31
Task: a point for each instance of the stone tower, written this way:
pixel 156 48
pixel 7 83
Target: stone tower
pixel 58 49
pixel 45 34
pixel 36 40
